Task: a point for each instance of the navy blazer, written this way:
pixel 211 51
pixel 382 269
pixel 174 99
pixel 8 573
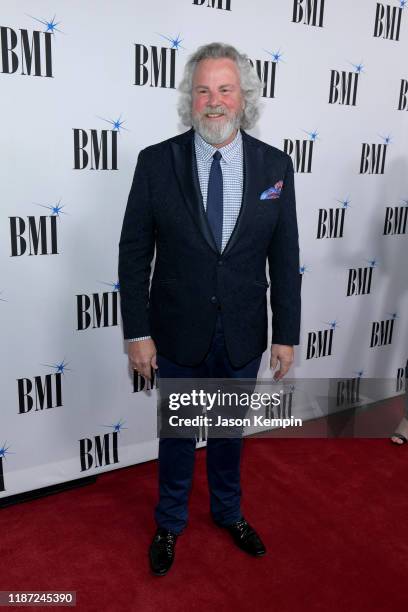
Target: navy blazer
pixel 192 281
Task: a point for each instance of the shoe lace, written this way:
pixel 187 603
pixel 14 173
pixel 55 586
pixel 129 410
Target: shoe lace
pixel 244 528
pixel 166 542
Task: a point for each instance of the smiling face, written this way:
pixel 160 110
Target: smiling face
pixel 217 100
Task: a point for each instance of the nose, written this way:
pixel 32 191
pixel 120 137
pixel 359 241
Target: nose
pixel 213 98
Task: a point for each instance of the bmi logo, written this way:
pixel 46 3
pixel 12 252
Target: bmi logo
pixel 402 378
pixel 42 391
pixel 348 391
pixel 403 97
pixel 320 342
pixel 395 221
pixel 30 53
pixel 4 450
pixel 140 383
pixel 102 449
pixel 373 156
pixel 156 66
pixel 97 149
pixel 301 151
pixel 343 86
pixel 360 279
pixel 382 331
pixel 310 11
pixel 98 310
pixel 330 223
pixel 284 408
pixel 388 20
pixel 266 71
pixel 36 235
pixel 218 4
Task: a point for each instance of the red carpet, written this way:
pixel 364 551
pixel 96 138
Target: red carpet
pixel 333 514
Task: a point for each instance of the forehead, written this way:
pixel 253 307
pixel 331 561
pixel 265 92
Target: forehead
pixel 222 70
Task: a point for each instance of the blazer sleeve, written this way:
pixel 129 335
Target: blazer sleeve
pixel 283 260
pixel 136 250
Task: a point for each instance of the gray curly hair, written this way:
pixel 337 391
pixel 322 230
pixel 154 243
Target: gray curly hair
pixel 251 85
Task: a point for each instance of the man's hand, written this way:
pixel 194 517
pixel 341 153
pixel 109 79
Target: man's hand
pixel 283 354
pixel 142 356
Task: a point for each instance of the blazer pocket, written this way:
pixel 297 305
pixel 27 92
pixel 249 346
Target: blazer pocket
pixel 268 207
pixel 267 203
pixel 264 284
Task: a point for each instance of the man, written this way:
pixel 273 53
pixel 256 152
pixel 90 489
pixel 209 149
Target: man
pixel 216 204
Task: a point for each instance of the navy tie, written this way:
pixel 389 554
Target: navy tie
pixel 215 199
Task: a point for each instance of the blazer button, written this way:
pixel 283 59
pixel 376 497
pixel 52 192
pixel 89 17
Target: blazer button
pixel 213 299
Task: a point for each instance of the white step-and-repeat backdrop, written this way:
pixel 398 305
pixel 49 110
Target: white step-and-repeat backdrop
pixel 83 87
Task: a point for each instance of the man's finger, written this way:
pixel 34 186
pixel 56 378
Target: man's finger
pixel 154 362
pixel 145 371
pixel 143 368
pixel 283 370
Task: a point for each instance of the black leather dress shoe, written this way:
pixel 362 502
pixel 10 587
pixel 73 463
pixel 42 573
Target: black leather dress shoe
pixel 246 537
pixel 161 552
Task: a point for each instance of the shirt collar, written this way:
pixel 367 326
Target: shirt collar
pixel 205 151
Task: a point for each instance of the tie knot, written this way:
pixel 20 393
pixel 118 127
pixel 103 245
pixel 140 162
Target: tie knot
pixel 217 156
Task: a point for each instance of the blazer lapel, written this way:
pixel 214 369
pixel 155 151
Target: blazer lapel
pixel 185 167
pixel 253 172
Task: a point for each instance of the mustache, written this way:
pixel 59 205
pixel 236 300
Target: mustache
pixel 218 110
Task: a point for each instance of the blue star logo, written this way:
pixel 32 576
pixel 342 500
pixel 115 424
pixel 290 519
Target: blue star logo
pixel 175 42
pixel 276 56
pixel 117 426
pixel 59 367
pixel 117 124
pixel 358 68
pixel 4 450
pixel 344 203
pixel 115 286
pixel 312 135
pixel 405 202
pixel 303 268
pixel 359 373
pixel 403 3
pixel 55 209
pixel 393 315
pixel 332 324
pixel 372 262
pixel 51 26
pixel 387 139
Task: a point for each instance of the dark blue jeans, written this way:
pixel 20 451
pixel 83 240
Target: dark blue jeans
pixel 176 455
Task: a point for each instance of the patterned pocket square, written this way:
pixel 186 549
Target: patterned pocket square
pixel 272 193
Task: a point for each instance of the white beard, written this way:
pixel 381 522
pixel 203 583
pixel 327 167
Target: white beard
pixel 218 131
